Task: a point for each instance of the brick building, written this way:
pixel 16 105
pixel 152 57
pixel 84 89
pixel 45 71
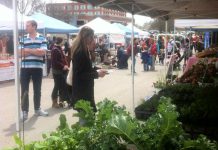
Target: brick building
pixel 79 13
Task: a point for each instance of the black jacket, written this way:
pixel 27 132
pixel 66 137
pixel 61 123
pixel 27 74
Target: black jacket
pixel 58 59
pixel 83 78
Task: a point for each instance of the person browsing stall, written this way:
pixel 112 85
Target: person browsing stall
pixel 83 71
pixel 32 49
pixel 59 71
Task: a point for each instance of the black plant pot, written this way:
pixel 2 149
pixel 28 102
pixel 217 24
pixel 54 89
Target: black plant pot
pixel 143 115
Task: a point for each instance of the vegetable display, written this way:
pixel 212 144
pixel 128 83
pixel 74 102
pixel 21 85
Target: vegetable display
pixel 113 128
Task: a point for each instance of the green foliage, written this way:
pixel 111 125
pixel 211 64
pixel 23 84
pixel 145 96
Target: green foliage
pixel 164 129
pixel 197 106
pixel 113 128
pixel 18 141
pixel 63 122
pixel 201 143
pixel 126 128
pixel 161 82
pixel 85 112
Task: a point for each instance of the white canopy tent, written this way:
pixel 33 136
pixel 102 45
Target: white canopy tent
pixel 7 20
pixel 100 26
pixel 196 23
pixel 206 28
pixel 127 31
pixel 142 34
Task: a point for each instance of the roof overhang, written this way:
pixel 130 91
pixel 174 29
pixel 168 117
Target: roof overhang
pixel 191 9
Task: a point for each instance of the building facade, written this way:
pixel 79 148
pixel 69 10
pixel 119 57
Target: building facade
pixel 79 13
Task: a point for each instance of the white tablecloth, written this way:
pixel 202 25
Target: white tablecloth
pixel 7 73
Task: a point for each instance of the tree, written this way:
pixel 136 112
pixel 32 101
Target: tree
pixel 58 12
pixel 28 7
pixel 7 3
pixel 159 24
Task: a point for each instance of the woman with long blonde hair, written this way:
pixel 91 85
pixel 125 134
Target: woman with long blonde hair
pixel 83 71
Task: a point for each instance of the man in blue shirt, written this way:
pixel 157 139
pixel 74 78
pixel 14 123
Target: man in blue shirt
pixel 33 48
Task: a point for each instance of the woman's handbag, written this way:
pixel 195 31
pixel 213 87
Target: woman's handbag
pixel 69 79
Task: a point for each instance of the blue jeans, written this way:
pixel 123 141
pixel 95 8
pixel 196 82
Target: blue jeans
pixel 26 75
pixel 146 67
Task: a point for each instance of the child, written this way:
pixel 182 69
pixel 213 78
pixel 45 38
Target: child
pixel 145 56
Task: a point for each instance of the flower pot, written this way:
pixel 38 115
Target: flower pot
pixel 143 115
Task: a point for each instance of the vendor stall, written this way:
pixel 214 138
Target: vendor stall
pixel 6 68
pixel 201 68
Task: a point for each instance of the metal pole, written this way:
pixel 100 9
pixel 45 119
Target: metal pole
pixel 16 69
pixel 166 53
pixel 174 44
pixel 189 45
pixel 166 26
pixel 45 72
pixel 211 42
pixel 133 67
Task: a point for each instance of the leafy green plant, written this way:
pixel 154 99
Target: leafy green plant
pixel 113 128
pixel 85 112
pixel 168 134
pixel 197 105
pixel 201 143
pixel 161 82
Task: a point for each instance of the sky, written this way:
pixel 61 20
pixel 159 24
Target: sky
pixel 139 20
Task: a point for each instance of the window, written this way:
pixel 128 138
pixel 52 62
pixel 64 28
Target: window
pixel 89 7
pixel 90 13
pixel 97 7
pixel 68 7
pixel 76 7
pixel 82 7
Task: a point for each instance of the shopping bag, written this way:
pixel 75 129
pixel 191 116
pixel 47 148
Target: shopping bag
pixel 69 79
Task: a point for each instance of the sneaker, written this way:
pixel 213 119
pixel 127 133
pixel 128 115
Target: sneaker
pixel 41 112
pixel 24 116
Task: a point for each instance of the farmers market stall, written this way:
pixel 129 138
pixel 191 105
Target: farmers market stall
pixel 202 68
pixel 6 69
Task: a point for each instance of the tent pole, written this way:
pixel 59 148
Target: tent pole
pixel 189 44
pixel 46 58
pixel 16 69
pixel 44 33
pixel 174 44
pixel 216 33
pixel 166 26
pixel 133 67
pixel 211 43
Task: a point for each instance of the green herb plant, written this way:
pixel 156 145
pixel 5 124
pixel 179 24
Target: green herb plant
pixel 113 128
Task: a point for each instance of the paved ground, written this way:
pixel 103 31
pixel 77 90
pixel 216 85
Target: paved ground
pixel 115 86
